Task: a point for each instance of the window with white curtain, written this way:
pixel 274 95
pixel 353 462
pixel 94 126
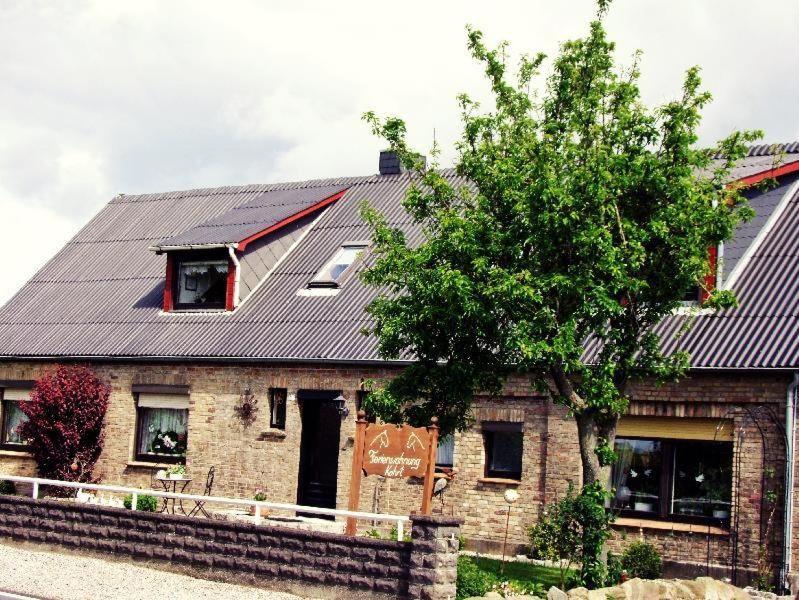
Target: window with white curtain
pixel 13 416
pixel 162 427
pixel 445 454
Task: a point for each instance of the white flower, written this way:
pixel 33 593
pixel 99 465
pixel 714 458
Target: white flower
pixel 648 472
pixel 699 478
pixel 633 474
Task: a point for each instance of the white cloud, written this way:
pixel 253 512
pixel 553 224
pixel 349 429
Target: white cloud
pixel 101 97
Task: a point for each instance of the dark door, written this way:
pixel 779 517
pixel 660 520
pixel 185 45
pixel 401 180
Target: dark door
pixel 319 448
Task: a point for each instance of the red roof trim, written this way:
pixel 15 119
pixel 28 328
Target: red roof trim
pixel 230 291
pixel 242 245
pixel 170 277
pixel 771 173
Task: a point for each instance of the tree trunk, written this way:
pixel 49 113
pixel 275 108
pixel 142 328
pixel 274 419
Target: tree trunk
pixel 589 433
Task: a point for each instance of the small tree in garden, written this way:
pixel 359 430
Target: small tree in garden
pixel 64 429
pixel 588 218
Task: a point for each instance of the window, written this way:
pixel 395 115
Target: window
pixel 277 408
pixel 503 449
pixel 673 479
pixel 13 417
pixel 162 427
pixel 446 452
pixel 201 284
pixel 332 274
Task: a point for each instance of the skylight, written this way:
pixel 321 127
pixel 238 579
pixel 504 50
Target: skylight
pixel 332 274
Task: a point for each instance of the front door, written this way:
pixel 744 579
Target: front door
pixel 319 448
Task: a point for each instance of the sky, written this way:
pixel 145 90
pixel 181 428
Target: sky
pixel 104 97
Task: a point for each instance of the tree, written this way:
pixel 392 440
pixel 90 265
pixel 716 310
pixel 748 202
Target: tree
pixel 64 429
pixel 586 218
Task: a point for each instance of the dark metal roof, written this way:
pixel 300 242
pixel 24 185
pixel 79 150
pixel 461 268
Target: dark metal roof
pixel 100 296
pixel 252 216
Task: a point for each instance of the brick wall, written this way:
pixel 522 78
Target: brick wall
pixel 254 456
pixel 422 568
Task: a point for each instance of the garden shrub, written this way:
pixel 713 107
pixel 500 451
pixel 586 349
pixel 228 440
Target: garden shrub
pixel 64 430
pixel 144 502
pixel 7 488
pixel 572 531
pixel 642 560
pixel 614 569
pixel 473 581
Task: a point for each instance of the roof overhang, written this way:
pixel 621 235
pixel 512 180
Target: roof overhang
pixel 167 248
pixel 773 173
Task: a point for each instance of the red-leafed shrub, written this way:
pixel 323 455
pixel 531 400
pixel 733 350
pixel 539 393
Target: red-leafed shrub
pixel 64 429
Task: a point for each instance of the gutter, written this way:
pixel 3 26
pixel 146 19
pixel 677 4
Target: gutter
pixel 231 250
pixel 790 468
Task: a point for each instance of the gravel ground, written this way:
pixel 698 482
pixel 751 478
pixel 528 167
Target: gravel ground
pixel 57 576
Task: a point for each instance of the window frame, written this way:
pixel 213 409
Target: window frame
pixel 4 445
pixel 281 422
pixel 488 430
pixel 667 460
pixel 322 280
pixel 149 457
pixel 181 258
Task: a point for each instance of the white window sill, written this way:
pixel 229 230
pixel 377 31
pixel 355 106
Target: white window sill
pixel 142 464
pixel 15 454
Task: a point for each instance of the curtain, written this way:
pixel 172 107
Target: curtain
pixel 163 431
pixel 624 452
pixel 14 417
pixel 446 451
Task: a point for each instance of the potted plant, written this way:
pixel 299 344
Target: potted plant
pixel 176 472
pixel 259 496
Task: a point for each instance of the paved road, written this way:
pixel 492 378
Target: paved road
pixel 64 576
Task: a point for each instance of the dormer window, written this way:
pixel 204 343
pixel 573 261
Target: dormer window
pixel 333 273
pixel 199 281
pixel 201 284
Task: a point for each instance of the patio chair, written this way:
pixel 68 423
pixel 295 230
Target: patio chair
pixel 199 505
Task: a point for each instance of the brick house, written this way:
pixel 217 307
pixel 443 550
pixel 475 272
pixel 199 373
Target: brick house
pixel 185 302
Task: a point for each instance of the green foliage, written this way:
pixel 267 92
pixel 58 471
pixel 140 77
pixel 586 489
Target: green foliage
pixel 587 216
pixel 7 488
pixel 574 530
pixel 373 533
pixel 642 560
pixel 473 581
pixel 144 502
pixel 514 578
pixel 614 569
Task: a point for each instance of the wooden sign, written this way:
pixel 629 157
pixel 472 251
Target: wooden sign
pixel 392 451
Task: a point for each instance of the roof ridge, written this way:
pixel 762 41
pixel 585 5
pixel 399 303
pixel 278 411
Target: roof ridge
pixel 244 189
pixel 767 149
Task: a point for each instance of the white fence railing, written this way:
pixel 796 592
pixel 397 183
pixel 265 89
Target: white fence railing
pixel 259 505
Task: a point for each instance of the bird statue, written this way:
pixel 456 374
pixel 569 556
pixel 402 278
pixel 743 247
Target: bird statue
pixel 442 481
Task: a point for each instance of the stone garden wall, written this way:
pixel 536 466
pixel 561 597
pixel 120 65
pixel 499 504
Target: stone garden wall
pixel 422 568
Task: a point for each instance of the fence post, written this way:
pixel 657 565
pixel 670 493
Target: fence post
pixel 35 494
pixel 400 530
pixel 257 514
pixel 434 556
pixel 134 502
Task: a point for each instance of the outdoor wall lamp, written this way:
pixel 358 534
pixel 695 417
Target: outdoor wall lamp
pixel 341 405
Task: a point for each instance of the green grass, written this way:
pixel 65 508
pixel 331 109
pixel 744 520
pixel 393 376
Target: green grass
pixel 524 573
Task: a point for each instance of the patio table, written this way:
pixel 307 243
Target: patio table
pixel 171 484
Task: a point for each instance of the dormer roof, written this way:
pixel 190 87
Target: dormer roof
pixel 254 218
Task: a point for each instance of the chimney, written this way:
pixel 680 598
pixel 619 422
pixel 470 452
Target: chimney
pixel 390 163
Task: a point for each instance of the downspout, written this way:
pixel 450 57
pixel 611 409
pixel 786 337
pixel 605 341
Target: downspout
pixel 790 467
pixel 237 277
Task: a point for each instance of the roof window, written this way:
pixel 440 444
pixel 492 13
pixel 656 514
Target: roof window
pixel 332 274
